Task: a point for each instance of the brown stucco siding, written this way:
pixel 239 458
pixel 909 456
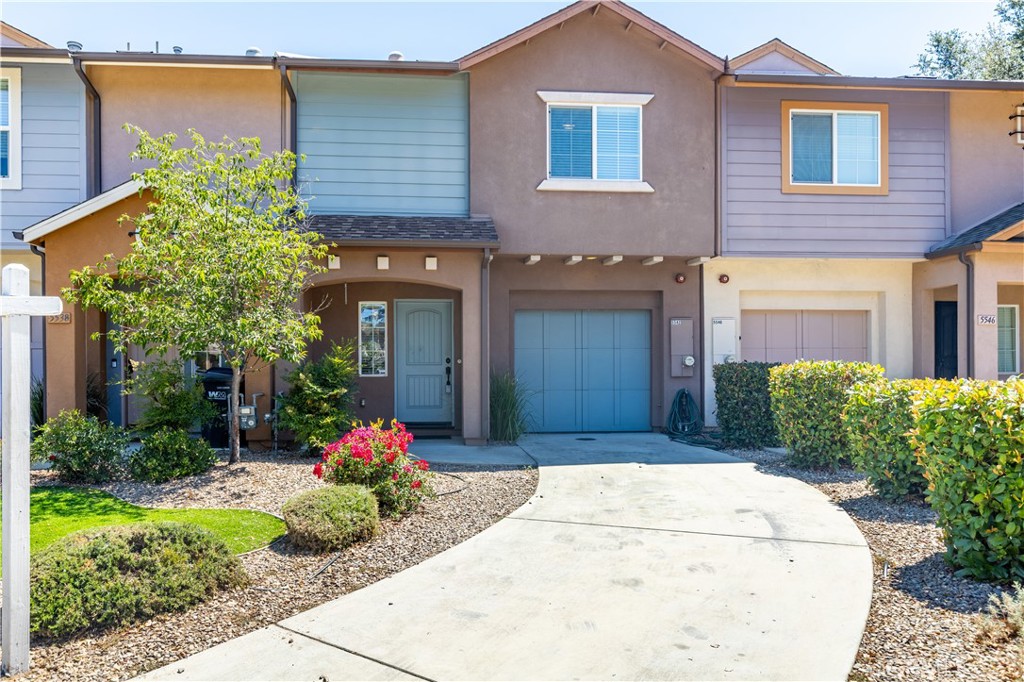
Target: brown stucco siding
pixel 550 285
pixel 216 102
pixel 508 154
pixel 987 170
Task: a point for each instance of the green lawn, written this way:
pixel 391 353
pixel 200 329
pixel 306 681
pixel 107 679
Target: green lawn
pixel 59 511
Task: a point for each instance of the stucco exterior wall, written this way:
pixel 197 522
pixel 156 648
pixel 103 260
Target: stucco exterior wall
pixel 880 287
pixel 987 169
pixel 215 101
pixel 941 280
pixel 508 153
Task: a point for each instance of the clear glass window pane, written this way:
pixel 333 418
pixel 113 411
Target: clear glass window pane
pixel 857 149
pixel 811 142
pixel 571 142
pixel 373 340
pixel 618 143
pixel 1007 334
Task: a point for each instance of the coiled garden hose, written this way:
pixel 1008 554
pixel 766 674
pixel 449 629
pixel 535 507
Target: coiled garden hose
pixel 684 423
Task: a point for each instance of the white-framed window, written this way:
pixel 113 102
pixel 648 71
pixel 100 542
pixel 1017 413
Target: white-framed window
pixel 835 148
pixel 373 339
pixel 1008 343
pixel 594 141
pixel 10 128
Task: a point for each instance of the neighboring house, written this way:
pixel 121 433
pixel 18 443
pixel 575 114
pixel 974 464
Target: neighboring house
pixel 593 149
pixel 42 149
pixel 835 190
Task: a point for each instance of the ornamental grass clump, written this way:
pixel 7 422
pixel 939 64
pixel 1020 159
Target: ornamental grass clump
pixel 879 421
pixel 379 459
pixel 970 440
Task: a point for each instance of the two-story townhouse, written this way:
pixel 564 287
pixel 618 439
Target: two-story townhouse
pixel 43 164
pixel 593 149
pixel 833 191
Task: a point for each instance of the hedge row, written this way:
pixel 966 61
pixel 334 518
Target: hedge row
pixel 744 404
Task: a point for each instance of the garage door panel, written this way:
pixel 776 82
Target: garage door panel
pixel 819 354
pixel 560 413
pixel 599 329
pixel 635 407
pixel 598 409
pixel 599 369
pixel 633 330
pixel 782 330
pixel 560 369
pixel 634 371
pixel 560 330
pixel 804 335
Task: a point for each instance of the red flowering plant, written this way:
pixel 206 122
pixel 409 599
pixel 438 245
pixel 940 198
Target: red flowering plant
pixel 378 458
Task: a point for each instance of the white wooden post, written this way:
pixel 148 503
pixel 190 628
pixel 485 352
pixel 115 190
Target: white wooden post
pixel 16 306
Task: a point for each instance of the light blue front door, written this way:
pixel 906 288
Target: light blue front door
pixel 424 362
pixel 585 370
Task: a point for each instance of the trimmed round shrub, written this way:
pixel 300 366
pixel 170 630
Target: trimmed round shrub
pixel 81 449
pixel 970 439
pixel 879 422
pixel 744 404
pixel 113 576
pixel 808 398
pixel 170 453
pixel 332 517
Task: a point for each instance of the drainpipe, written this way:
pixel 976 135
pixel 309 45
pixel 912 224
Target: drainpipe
pixel 293 128
pixel 700 341
pixel 969 264
pixel 95 183
pixel 485 345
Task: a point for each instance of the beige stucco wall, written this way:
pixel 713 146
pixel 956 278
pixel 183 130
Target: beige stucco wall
pixel 941 280
pixel 508 155
pixel 30 261
pixel 161 99
pixel 457 271
pixel 881 287
pixel 987 164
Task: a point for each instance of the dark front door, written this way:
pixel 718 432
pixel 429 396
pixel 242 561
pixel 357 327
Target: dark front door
pixel 945 340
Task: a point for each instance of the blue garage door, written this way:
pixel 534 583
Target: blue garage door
pixel 586 370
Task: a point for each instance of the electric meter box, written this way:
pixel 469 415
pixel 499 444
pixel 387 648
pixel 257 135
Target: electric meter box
pixel 723 340
pixel 680 343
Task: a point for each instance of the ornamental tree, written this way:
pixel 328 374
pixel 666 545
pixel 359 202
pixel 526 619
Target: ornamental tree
pixel 220 259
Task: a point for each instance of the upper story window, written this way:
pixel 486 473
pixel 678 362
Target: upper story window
pixel 595 142
pixel 835 148
pixel 10 128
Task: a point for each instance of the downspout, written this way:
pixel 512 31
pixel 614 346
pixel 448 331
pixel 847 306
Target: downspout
pixel 95 183
pixel 485 345
pixel 41 252
pixel 293 128
pixel 962 256
pixel 700 340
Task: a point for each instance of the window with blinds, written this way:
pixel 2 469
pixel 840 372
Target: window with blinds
pixel 1008 334
pixel 594 142
pixel 10 128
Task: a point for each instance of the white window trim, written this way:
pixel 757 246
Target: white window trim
pixel 835 147
pixel 359 338
pixel 564 98
pixel 13 78
pixel 1016 338
pixel 1020 124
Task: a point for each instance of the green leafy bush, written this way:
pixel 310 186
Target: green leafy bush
pixel 175 401
pixel 970 439
pixel 82 449
pixel 808 398
pixel 318 407
pixel 170 453
pixel 744 404
pixel 331 518
pixel 37 403
pixel 121 574
pixel 879 419
pixel 508 408
pixel 379 459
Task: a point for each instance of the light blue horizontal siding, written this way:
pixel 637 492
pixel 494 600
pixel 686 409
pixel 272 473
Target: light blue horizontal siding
pixel 53 154
pixel 760 219
pixel 384 145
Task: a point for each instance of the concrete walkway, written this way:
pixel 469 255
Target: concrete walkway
pixel 638 558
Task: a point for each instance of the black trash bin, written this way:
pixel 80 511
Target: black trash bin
pixel 217 389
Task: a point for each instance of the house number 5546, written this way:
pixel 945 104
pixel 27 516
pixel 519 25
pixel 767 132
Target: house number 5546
pixel 986 320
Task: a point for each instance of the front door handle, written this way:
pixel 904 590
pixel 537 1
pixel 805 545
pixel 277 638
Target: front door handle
pixel 448 375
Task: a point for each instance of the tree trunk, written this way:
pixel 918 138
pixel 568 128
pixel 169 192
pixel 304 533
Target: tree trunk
pixel 234 429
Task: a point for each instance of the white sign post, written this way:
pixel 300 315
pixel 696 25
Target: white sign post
pixel 16 307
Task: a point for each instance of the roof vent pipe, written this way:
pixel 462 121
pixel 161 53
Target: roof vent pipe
pixel 176 49
pixel 396 56
pixel 74 46
pixel 253 52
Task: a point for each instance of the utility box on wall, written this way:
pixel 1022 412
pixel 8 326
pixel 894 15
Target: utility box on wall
pixel 723 340
pixel 680 343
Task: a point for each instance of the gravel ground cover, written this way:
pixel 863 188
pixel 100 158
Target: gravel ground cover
pixel 285 581
pixel 923 623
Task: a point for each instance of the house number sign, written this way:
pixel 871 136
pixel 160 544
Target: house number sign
pixel 986 320
pixel 63 318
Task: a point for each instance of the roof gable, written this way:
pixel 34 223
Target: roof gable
pixel 82 210
pixel 15 37
pixel 776 56
pixel 1003 227
pixel 633 18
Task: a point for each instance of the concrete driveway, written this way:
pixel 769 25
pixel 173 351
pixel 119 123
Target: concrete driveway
pixel 637 558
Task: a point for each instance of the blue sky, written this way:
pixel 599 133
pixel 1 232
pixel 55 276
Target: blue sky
pixel 856 38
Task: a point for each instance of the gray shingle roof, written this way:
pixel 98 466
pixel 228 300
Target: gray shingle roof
pixel 476 232
pixel 981 231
